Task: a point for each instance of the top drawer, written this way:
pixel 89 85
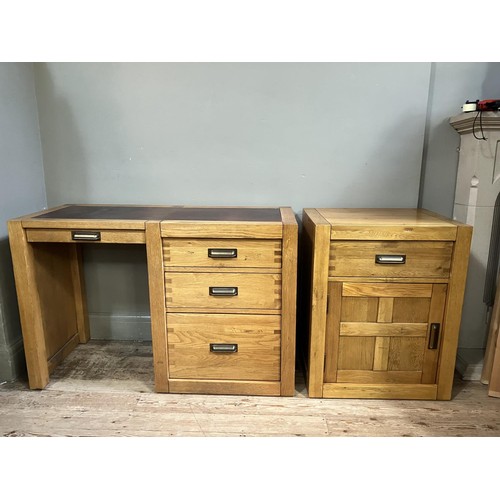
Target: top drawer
pixel 183 252
pixel 401 259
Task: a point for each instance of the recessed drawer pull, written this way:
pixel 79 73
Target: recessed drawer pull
pixel 223 291
pixel 222 253
pixel 86 235
pixel 390 259
pixel 228 348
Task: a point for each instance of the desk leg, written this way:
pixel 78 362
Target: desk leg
pixel 82 316
pixel 23 259
pixel 157 305
pixel 51 298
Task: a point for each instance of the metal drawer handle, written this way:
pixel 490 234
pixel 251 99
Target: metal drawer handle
pixel 86 235
pixel 222 253
pixel 390 259
pixel 223 291
pixel 434 336
pixel 224 348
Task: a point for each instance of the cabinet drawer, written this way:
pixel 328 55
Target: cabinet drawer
pixel 224 346
pixel 184 252
pixel 84 236
pixel 223 290
pixel 404 259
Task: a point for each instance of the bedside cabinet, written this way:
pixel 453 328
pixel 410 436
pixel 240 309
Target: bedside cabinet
pixel 228 285
pixel 386 294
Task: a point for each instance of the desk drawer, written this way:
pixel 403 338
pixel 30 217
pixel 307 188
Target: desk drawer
pixel 409 259
pixel 84 236
pixel 223 290
pixel 224 346
pixel 184 252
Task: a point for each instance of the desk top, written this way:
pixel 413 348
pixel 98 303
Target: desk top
pixel 175 221
pixel 178 213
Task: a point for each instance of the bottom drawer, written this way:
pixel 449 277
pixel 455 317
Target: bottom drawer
pixel 224 346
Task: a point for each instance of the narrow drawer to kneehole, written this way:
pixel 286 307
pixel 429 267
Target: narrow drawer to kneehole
pixel 398 259
pixel 223 290
pixel 224 346
pixel 184 252
pixel 85 236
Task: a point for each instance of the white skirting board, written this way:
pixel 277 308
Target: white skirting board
pixel 470 363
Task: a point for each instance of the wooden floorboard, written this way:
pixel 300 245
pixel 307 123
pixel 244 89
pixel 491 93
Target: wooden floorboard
pixel 106 389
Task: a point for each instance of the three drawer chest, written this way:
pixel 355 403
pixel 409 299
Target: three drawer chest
pixel 386 292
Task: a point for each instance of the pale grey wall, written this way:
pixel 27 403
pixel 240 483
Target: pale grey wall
pixel 303 135
pixel 22 190
pixel 452 84
pixel 491 85
pixel 293 134
pixel 336 134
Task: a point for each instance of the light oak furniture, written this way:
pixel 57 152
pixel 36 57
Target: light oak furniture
pixel 491 357
pixel 386 293
pixel 222 285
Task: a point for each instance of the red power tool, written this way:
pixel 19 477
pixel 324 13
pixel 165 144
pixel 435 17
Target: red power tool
pixel 484 105
pixel 489 105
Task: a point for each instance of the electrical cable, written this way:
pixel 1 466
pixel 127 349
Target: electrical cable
pixel 480 115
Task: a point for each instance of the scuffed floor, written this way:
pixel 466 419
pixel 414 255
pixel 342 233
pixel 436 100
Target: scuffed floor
pixel 106 389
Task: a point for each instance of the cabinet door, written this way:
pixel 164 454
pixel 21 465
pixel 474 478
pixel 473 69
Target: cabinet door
pixel 383 332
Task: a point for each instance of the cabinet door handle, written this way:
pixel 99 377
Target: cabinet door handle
pixel 86 235
pixel 228 348
pixel 223 291
pixel 434 336
pixel 223 253
pixel 390 259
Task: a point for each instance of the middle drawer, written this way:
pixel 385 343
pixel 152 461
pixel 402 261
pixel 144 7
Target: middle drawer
pixel 223 290
pixel 184 252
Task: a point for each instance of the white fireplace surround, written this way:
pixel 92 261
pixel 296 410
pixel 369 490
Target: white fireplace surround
pixel 476 195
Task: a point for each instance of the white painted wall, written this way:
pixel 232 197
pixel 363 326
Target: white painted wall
pixel 22 190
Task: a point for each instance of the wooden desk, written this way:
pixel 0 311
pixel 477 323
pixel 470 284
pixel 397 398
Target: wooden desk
pixel 222 286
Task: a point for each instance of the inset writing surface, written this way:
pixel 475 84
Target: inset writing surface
pixel 137 212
